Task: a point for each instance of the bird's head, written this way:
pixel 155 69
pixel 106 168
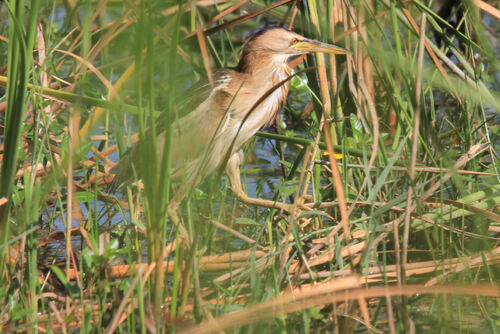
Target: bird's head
pixel 282 41
pixel 279 44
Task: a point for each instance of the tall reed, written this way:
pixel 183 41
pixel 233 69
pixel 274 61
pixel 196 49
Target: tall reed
pixel 393 149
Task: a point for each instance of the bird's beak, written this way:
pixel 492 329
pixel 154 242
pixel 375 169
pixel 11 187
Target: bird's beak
pixel 309 45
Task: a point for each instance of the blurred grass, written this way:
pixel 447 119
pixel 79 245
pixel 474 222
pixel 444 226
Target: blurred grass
pixel 109 68
pixel 21 37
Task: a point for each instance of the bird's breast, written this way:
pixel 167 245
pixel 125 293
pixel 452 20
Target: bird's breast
pixel 270 90
pixel 254 105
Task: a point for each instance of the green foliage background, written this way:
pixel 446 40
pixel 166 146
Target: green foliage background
pixel 77 77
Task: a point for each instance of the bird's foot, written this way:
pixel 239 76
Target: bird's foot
pixel 172 212
pixel 289 208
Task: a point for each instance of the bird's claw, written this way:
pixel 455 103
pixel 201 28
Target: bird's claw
pixel 172 212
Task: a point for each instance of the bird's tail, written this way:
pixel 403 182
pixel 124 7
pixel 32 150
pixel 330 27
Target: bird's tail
pixel 122 171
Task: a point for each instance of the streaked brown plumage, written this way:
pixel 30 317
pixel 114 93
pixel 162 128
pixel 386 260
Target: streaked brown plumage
pixel 242 101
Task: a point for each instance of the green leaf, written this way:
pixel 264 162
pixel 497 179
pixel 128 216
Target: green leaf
pixel 288 188
pixel 315 313
pixel 60 275
pixel 84 196
pixel 245 221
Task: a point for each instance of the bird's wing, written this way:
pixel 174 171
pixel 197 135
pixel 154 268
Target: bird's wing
pixel 190 99
pixel 197 133
pixel 201 117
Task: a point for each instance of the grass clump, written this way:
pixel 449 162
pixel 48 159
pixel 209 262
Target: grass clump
pixel 389 156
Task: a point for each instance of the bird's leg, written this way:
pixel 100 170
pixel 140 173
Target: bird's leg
pixel 173 210
pixel 233 172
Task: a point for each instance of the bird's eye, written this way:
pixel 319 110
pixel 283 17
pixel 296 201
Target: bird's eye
pixel 294 41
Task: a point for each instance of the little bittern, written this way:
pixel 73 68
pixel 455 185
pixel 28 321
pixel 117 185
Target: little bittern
pixel 242 101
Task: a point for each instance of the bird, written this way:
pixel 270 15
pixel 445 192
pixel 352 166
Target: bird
pixel 241 101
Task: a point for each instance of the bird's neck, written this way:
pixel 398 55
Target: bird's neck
pixel 266 78
pixel 258 63
pixel 265 72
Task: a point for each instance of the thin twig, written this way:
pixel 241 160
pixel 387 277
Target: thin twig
pixel 414 143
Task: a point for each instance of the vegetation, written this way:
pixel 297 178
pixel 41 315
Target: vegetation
pixel 396 147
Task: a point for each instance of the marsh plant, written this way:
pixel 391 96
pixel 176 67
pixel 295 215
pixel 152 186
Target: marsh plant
pixel 386 159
